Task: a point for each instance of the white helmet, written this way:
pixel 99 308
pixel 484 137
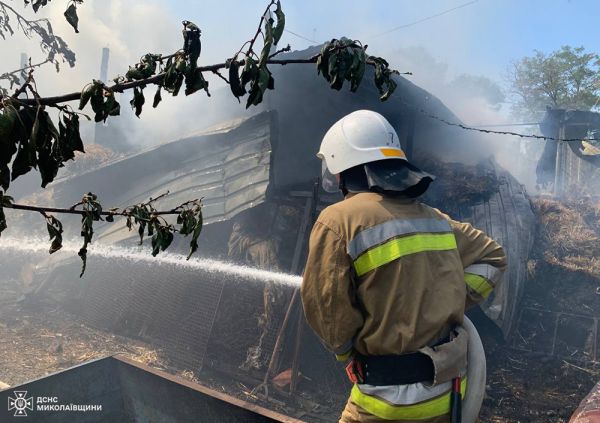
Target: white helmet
pixel 361 137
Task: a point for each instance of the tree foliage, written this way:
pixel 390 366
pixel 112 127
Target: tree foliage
pixel 479 87
pixel 566 78
pixel 53 46
pixel 31 138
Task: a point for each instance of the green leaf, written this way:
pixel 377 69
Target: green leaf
pixel 167 239
pixel 194 81
pixel 112 107
pixel 258 87
pixel 157 97
pixel 86 94
pixel 144 69
pixel 5 201
pixel 141 229
pixel 383 77
pixel 3 224
pixel 191 43
pixel 173 74
pixel 235 84
pixel 390 90
pixel 55 230
pixel 358 70
pixel 250 71
pixel 69 138
pixel 72 18
pixel 138 100
pixel 97 101
pixel 4 176
pixel 268 41
pixel 323 60
pixel 278 30
pixel 92 212
pixel 23 162
pixel 195 235
pixel 156 242
pixel 83 254
pixel 7 124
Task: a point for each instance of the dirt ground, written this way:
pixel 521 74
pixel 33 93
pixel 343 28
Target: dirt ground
pixel 527 387
pixel 522 387
pixel 564 277
pixel 33 344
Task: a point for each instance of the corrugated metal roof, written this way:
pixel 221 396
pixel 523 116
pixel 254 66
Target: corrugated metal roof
pixel 228 167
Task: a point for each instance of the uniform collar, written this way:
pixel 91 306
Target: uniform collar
pixel 375 196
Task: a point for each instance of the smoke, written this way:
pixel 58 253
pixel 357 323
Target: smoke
pixel 478 101
pixel 135 27
pixel 129 29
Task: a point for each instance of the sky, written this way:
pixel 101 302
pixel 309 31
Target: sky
pixel 479 37
pixel 482 37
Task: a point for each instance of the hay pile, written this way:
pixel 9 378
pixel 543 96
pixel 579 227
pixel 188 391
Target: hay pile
pixel 458 185
pixel 564 263
pixel 569 234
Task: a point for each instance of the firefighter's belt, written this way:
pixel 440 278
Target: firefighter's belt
pixel 402 369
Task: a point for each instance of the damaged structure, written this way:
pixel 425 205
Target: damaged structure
pixel 575 164
pixel 258 177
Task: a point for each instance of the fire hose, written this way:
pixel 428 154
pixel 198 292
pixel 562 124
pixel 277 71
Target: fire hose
pixel 476 375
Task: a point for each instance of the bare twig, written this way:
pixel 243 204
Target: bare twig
pixel 259 30
pixel 7 75
pixel 50 43
pixel 216 72
pixel 591 372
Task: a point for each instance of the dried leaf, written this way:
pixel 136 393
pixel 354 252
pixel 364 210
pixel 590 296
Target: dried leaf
pixel 71 16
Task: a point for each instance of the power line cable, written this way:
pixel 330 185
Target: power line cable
pixel 424 19
pixel 301 36
pixel 485 131
pixel 489 131
pixel 497 125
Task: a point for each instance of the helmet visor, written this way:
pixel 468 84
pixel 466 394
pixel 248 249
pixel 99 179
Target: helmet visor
pixel 328 181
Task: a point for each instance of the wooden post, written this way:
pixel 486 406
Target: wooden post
pixel 309 211
pixel 300 313
pixel 560 168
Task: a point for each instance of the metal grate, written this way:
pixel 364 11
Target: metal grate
pixel 171 307
pixel 561 334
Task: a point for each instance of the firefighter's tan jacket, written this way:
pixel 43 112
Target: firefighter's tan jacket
pixel 390 275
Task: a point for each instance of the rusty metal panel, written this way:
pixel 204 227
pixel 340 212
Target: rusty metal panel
pixel 129 392
pixel 229 167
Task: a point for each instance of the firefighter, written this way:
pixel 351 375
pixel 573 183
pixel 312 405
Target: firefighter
pixel 388 278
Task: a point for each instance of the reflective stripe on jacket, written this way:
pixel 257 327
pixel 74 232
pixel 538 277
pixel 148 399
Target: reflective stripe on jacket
pixel 388 275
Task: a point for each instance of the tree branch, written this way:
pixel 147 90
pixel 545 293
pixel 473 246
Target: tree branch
pixel 43 210
pixel 50 43
pixel 156 79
